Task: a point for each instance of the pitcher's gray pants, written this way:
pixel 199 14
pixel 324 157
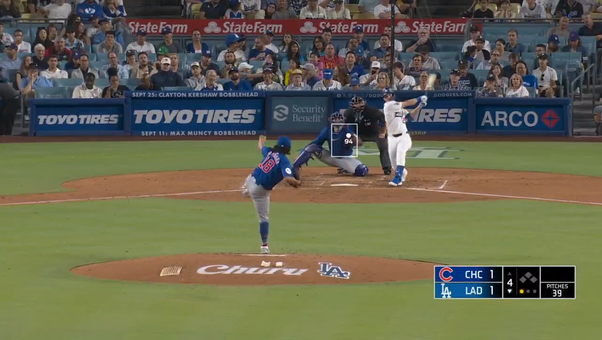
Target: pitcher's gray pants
pixel 260 197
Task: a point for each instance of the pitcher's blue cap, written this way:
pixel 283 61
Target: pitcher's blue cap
pixel 284 141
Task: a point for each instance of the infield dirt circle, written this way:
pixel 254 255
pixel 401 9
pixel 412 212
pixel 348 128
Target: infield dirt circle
pixel 424 185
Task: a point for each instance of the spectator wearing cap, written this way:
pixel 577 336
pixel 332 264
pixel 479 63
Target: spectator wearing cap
pixel 39 58
pixel 144 67
pixel 350 65
pixel 268 41
pixel 367 6
pixel 260 51
pixel 366 79
pixel 141 45
pixel 383 11
pixel 53 71
pixel 489 89
pixel 75 63
pixel 122 72
pixel 71 42
pixel 89 9
pixel 130 61
pixel 513 45
pixel 358 34
pixel 233 45
pixel 553 44
pixel 115 89
pixel 466 78
pixel 562 30
pixel 574 45
pixel 398 45
pixel 211 83
pixel 166 77
pixel 454 83
pixel 23 46
pixel 84 68
pixel 423 39
pixel 547 78
pixel 109 45
pixel 528 80
pixel 532 10
pixel 245 68
pixel 294 64
pixel 196 78
pixel 510 69
pixel 235 83
pixel 338 11
pixel 327 83
pixel 354 83
pixel 569 8
pixel 206 63
pixel 168 45
pixel 312 11
pixel 475 34
pixel 33 81
pixel 402 81
pixel 251 8
pixel 105 26
pixel 59 49
pixel 483 11
pixel 213 9
pixel 197 45
pixel 330 59
pixel 516 88
pixel 297 83
pixel 268 83
pixel 309 74
pixel 11 61
pixel 234 12
pixel 59 9
pixel 87 89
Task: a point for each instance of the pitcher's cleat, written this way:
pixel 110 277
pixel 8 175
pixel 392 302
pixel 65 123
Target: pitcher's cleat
pixel 265 250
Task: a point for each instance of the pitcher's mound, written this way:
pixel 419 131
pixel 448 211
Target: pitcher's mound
pixel 255 269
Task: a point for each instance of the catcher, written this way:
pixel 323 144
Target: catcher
pixel 371 126
pixel 339 153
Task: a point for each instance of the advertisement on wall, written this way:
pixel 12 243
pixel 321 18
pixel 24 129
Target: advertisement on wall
pixel 447 113
pixel 196 113
pixel 372 27
pixel 299 114
pixel 520 118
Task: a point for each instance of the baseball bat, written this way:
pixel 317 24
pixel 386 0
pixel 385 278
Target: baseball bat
pixel 431 81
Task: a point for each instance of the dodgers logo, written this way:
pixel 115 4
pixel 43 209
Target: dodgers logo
pixel 281 113
pixel 327 269
pixel 445 292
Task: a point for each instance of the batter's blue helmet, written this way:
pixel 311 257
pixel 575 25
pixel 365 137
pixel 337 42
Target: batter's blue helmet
pixel 388 91
pixel 337 117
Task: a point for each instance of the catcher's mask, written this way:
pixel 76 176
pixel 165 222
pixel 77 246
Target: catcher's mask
pixel 357 104
pixel 337 117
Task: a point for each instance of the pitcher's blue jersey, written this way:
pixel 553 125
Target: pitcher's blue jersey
pixel 272 169
pixel 337 145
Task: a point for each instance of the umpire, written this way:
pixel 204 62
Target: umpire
pixel 371 126
pixel 11 102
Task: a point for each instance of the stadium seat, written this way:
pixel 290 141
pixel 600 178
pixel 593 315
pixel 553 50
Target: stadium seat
pixel 12 74
pixel 590 44
pixel 192 57
pixel 532 92
pixel 133 82
pixel 102 82
pixel 559 60
pixel 183 58
pixel 445 55
pixel 23 55
pixel 444 46
pixel 356 16
pixel 152 56
pixel 257 64
pixel 449 64
pixel 406 57
pixel 102 57
pixel 492 7
pixel 529 59
pixel 88 49
pixel 223 80
pixel 353 8
pixel 67 82
pixel 98 64
pixel 177 88
pixel 51 92
pixel 62 64
pixel 515 8
pixel 120 56
pixel 284 65
pixel 481 75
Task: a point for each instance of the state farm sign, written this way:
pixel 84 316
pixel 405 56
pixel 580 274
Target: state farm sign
pixel 296 27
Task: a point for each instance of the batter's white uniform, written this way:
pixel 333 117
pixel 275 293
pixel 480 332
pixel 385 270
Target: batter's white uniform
pixel 397 132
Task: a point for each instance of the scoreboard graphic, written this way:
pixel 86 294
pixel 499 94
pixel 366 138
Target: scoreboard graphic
pixel 505 282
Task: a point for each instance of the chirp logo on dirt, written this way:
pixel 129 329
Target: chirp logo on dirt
pixel 234 270
pixel 432 152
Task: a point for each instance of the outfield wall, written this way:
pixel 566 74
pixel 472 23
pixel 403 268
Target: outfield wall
pixel 233 114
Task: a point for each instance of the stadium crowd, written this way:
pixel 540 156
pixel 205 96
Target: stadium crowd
pixel 95 55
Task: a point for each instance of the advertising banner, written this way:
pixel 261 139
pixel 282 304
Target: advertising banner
pixel 446 112
pixel 298 112
pixel 75 117
pixel 372 27
pixel 522 116
pixel 196 113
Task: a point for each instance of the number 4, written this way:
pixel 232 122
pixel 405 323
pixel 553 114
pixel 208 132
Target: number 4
pixel 509 283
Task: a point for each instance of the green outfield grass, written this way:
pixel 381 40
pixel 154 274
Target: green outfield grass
pixel 39 244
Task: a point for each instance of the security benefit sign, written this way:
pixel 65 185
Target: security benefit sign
pixel 528 119
pixel 196 113
pixel 446 112
pixel 76 117
pixel 299 114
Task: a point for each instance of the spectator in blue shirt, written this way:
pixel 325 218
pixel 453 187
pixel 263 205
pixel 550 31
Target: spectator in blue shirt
pixel 529 80
pixel 33 81
pixel 105 26
pixel 358 34
pixel 235 83
pixel 575 46
pixel 260 51
pixel 513 46
pixel 197 45
pixel 122 71
pixel 88 9
pixel 379 53
pixel 351 66
pixel 112 10
pixel 11 61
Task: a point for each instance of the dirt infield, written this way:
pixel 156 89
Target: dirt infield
pixel 247 269
pixel 424 185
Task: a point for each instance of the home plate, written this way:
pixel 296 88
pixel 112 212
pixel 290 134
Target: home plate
pixel 343 185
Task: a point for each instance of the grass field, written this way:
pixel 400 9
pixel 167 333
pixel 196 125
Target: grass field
pixel 39 244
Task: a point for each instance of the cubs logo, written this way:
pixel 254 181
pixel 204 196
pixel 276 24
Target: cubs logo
pixel 327 269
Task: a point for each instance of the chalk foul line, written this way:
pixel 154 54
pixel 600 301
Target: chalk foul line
pixel 108 198
pixel 505 196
